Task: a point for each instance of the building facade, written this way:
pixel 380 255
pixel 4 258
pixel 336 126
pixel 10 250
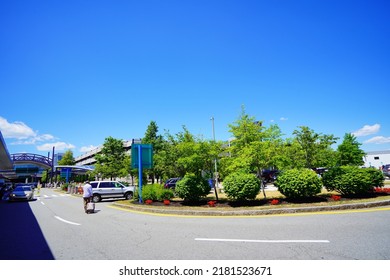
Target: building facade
pixel 89 157
pixel 377 159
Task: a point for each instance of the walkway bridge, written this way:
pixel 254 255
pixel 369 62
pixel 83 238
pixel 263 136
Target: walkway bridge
pixel 27 158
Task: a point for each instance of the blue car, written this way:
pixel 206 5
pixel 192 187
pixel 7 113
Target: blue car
pixel 171 183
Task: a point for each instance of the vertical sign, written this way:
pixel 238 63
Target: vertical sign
pixel 141 157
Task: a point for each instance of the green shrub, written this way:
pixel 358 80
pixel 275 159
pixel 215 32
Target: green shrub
pixel 377 177
pixel 299 183
pixel 154 192
pixel 164 194
pixel 352 180
pixel 241 186
pixel 149 192
pixel 192 187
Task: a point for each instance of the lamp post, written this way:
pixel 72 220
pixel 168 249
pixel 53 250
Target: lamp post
pixel 215 181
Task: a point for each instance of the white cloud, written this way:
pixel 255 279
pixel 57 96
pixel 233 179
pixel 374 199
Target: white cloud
pixel 34 140
pixel 44 137
pixel 25 135
pixel 18 130
pixel 86 149
pixel 59 146
pixel 367 130
pixel 378 140
pixel 283 119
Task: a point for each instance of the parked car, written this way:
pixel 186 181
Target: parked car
pixel 171 183
pixel 386 170
pixel 22 193
pixel 111 189
pixel 320 170
pixel 269 175
pixel 5 191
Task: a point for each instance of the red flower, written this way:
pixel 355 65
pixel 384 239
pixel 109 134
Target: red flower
pixel 211 203
pixel 274 201
pixel 336 197
pixel 166 202
pixel 148 201
pixel 381 190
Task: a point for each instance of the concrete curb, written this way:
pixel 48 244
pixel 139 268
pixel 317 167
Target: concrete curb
pixel 248 212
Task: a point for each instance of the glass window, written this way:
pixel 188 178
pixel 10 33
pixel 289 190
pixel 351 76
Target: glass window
pixel 106 185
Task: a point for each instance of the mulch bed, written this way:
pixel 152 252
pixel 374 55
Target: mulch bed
pixel 261 202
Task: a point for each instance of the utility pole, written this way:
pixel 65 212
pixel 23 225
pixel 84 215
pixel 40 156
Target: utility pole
pixel 215 181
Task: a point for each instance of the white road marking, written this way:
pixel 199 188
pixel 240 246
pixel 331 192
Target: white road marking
pixel 261 241
pixel 65 221
pixel 42 203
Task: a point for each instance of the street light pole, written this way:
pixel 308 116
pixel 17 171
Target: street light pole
pixel 215 181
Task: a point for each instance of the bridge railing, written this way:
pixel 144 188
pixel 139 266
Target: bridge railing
pixel 27 157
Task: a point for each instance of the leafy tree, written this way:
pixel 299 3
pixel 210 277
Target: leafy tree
pixel 165 161
pixel 289 155
pixel 67 158
pixel 349 152
pixel 184 153
pixel 313 144
pixel 152 137
pixel 111 160
pixel 254 147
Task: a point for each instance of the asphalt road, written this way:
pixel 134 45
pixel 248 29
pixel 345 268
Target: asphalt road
pixel 55 227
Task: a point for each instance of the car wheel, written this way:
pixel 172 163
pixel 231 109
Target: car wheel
pixel 129 195
pixel 96 198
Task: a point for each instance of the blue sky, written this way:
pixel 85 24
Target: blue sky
pixel 75 72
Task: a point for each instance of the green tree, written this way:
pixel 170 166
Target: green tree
pixel 165 161
pixel 67 158
pixel 254 147
pixel 111 160
pixel 349 152
pixel 312 145
pixel 152 137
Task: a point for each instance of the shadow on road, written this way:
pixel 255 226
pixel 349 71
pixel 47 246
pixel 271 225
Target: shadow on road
pixel 21 237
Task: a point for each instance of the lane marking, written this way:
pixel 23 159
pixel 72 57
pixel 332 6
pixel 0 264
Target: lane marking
pixel 260 241
pixel 65 221
pixel 42 203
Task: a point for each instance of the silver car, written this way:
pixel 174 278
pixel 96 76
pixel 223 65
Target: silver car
pixel 22 193
pixel 110 189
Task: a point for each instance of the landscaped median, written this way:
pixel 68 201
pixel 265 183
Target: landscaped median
pixel 290 208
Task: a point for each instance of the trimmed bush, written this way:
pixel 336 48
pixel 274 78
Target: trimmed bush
pixel 241 186
pixel 299 183
pixel 154 192
pixel 149 192
pixel 164 194
pixel 377 177
pixel 352 180
pixel 192 187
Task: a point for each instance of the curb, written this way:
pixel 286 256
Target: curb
pixel 246 212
